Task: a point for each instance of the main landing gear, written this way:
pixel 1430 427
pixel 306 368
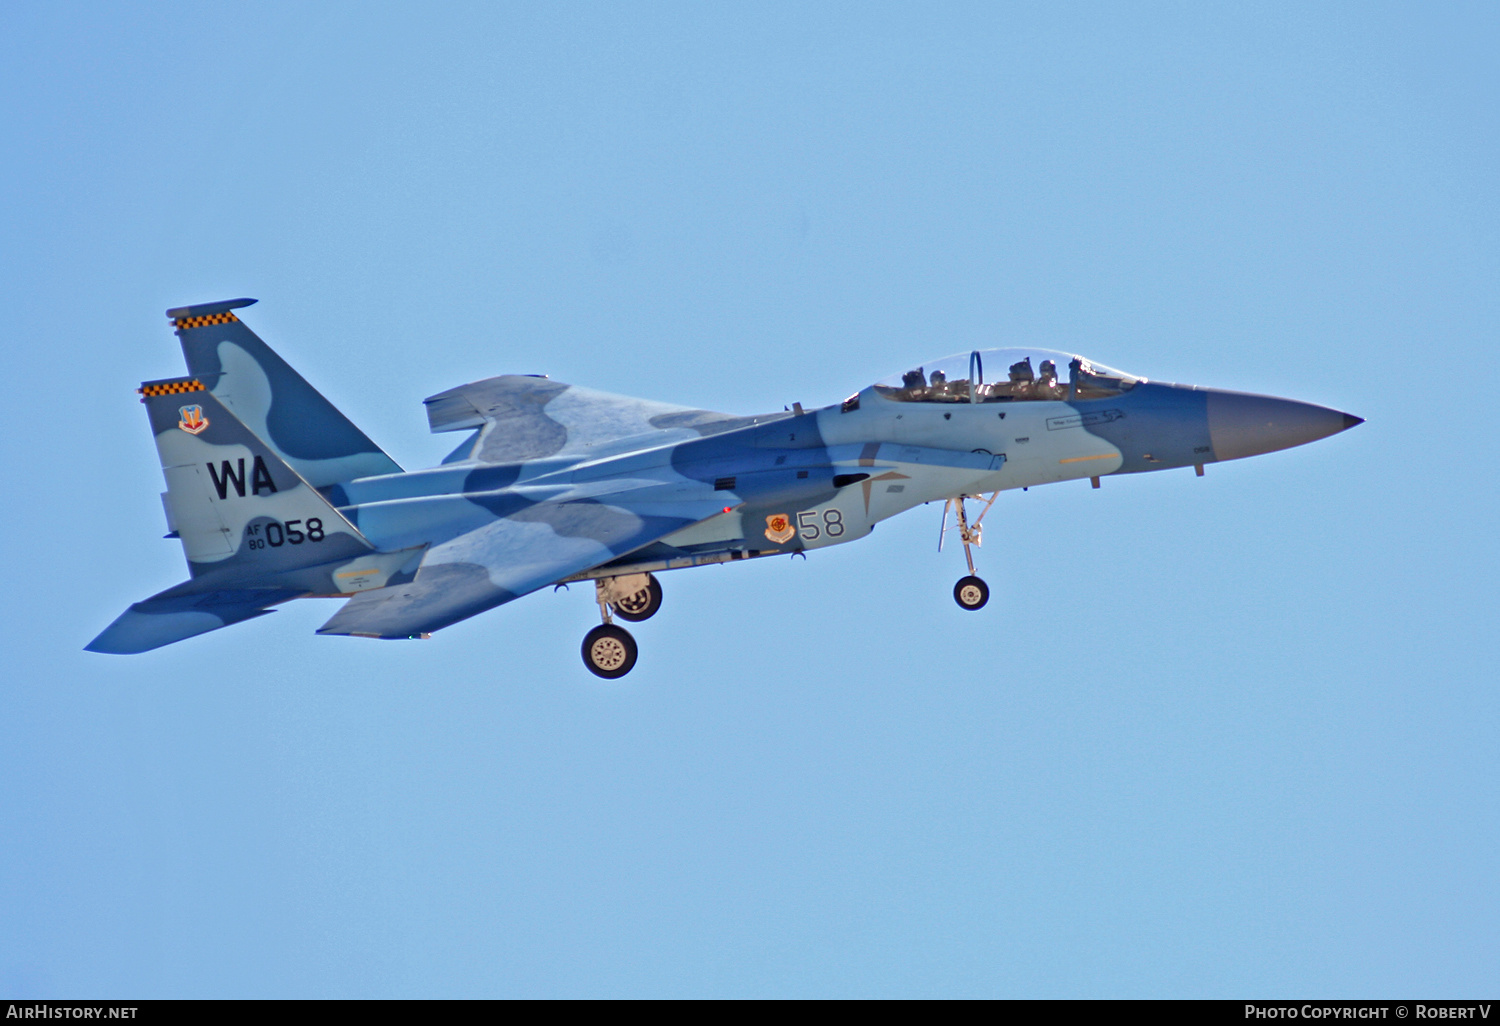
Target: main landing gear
pixel 640 604
pixel 970 592
pixel 608 650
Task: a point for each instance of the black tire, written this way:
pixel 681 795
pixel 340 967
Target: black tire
pixel 971 593
pixel 643 604
pixel 609 651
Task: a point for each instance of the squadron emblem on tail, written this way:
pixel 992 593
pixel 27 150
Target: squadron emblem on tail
pixel 192 420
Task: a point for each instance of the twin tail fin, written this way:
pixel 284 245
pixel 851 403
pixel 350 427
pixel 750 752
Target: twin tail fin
pixel 238 507
pixel 302 427
pixel 255 532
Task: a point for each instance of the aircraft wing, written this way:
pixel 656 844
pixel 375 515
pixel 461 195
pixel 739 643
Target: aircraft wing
pixel 524 417
pixel 527 550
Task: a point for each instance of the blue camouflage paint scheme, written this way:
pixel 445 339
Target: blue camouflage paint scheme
pixel 177 614
pixel 1159 427
pixel 302 426
pixel 275 495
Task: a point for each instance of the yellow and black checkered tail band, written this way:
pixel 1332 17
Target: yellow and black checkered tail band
pixel 203 322
pixel 170 388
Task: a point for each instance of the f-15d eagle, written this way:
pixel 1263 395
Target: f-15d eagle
pixel 275 495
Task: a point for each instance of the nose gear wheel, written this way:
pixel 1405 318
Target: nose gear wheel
pixel 971 592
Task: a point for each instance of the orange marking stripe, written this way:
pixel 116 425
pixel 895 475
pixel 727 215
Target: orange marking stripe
pixel 171 388
pixel 203 322
pixel 1085 459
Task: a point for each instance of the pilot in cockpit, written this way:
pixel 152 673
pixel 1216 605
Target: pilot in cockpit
pixel 945 391
pixel 914 379
pixel 1021 379
pixel 1047 386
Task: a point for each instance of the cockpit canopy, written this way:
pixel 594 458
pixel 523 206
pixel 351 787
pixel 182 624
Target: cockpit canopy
pixel 1014 375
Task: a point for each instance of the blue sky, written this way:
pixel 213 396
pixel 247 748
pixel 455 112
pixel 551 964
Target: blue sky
pixel 1211 737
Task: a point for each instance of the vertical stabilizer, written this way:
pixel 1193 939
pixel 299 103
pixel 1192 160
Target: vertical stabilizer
pixel 255 532
pixel 271 399
pixel 236 506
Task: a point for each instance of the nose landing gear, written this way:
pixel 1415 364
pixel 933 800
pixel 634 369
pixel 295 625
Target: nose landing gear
pixel 970 592
pixel 608 650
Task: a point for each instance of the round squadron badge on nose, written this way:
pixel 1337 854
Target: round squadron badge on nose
pixel 779 528
pixel 192 419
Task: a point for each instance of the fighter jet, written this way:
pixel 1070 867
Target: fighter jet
pixel 275 495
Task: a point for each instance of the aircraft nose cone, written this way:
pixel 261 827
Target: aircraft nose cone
pixel 1248 425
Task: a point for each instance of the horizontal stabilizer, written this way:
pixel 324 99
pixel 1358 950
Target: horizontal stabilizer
pixel 173 616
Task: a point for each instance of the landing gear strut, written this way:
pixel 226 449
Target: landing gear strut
pixel 970 592
pixel 608 650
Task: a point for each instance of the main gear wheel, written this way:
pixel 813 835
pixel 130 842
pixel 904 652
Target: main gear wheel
pixel 641 605
pixel 609 651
